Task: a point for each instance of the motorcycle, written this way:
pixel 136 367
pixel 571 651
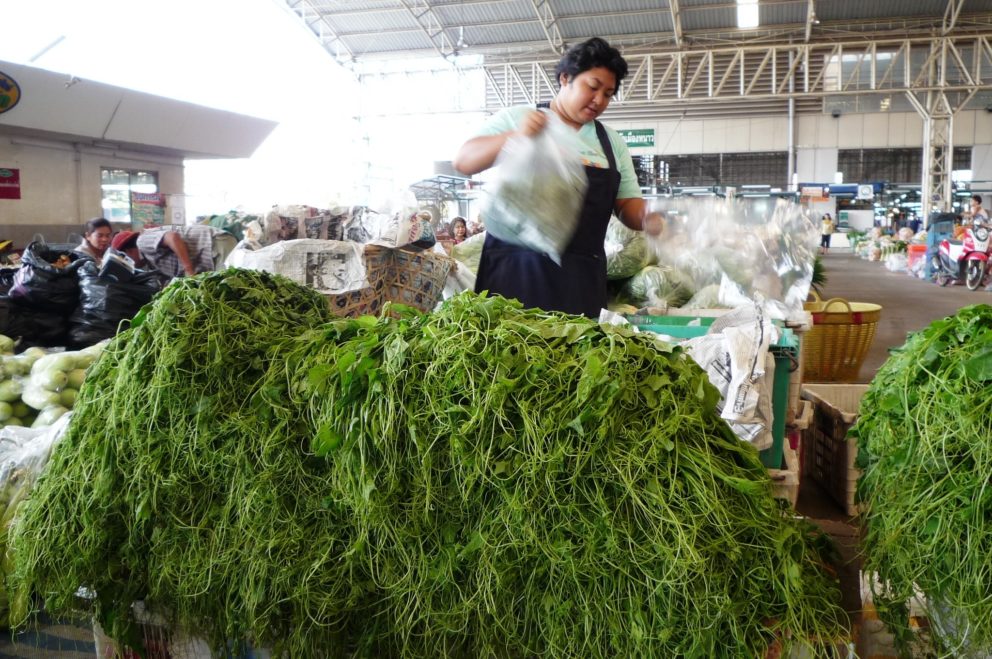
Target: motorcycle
pixel 964 260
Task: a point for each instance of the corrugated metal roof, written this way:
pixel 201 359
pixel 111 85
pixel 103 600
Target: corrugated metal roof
pixel 504 30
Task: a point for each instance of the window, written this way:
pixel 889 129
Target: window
pixel 892 165
pixel 120 186
pixel 727 169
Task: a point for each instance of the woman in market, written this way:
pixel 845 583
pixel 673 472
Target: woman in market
pixel 826 231
pixel 96 239
pixel 459 230
pixel 589 74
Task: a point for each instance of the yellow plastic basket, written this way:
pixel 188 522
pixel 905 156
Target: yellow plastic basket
pixel 836 345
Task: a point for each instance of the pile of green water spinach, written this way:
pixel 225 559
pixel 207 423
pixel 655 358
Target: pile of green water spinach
pixel 483 481
pixel 924 430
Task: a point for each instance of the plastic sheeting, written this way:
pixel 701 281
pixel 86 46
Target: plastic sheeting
pixel 759 250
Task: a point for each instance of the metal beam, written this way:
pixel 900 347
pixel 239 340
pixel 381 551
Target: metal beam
pixel 673 6
pixel 783 71
pixel 423 13
pixel 316 21
pixel 810 19
pixel 951 14
pixel 546 14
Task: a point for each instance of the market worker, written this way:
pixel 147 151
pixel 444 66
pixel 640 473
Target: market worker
pixel 589 74
pixel 172 251
pixel 96 239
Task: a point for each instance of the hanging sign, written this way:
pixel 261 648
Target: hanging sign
pixel 637 136
pixel 10 183
pixel 10 92
pixel 814 192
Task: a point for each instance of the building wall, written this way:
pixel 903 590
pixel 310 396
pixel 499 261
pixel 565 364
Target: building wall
pixel 817 137
pixel 60 184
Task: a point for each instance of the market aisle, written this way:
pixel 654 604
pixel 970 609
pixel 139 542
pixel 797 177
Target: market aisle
pixel 908 304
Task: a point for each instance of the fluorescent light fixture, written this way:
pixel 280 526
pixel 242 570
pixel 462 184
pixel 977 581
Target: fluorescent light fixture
pixel 747 14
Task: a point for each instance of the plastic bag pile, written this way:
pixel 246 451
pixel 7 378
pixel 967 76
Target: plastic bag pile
pixel 729 252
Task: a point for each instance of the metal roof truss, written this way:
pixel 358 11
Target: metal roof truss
pixel 772 72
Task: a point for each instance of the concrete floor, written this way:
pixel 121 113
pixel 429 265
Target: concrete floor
pixel 908 304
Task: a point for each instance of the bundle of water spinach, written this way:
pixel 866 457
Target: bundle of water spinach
pixel 923 431
pixel 523 483
pixel 483 481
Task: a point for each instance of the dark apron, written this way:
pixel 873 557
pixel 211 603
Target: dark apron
pixel 578 285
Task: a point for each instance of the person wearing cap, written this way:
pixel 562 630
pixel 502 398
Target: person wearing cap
pixel 171 251
pixel 96 239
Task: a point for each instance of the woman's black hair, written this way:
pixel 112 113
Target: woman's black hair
pixel 456 220
pixel 589 55
pixel 96 223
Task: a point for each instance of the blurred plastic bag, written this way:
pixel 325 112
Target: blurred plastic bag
pixel 459 280
pixel 627 251
pixel 753 249
pixel 24 453
pixel 469 251
pixel 537 193
pixel 897 262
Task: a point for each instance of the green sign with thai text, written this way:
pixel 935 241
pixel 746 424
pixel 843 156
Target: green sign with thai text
pixel 637 136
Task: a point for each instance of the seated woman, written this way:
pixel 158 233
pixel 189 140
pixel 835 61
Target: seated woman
pixel 458 230
pixel 96 239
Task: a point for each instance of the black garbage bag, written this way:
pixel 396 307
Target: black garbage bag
pixel 7 279
pixel 104 302
pixel 42 285
pixel 31 327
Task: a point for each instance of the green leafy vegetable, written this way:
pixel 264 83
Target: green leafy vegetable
pixel 923 431
pixel 484 481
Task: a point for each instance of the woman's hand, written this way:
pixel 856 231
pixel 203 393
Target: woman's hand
pixel 533 123
pixel 653 224
pixel 635 215
pixel 479 153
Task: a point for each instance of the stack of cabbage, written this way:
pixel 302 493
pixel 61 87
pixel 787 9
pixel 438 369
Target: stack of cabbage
pixel 482 481
pixel 38 387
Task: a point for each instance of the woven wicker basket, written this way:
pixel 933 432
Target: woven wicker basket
pixel 836 346
pixel 415 279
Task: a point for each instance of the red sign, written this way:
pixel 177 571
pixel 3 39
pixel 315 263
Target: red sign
pixel 10 183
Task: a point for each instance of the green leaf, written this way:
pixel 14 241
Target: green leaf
pixel 656 382
pixel 317 377
pixel 475 543
pixel 327 440
pixel 979 367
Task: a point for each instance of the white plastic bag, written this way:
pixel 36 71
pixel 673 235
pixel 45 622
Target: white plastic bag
pixel 753 249
pixel 537 195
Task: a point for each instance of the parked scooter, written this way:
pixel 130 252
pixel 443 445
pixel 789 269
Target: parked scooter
pixel 965 260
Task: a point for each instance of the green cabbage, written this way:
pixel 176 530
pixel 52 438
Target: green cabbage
pixel 627 251
pixel 657 284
